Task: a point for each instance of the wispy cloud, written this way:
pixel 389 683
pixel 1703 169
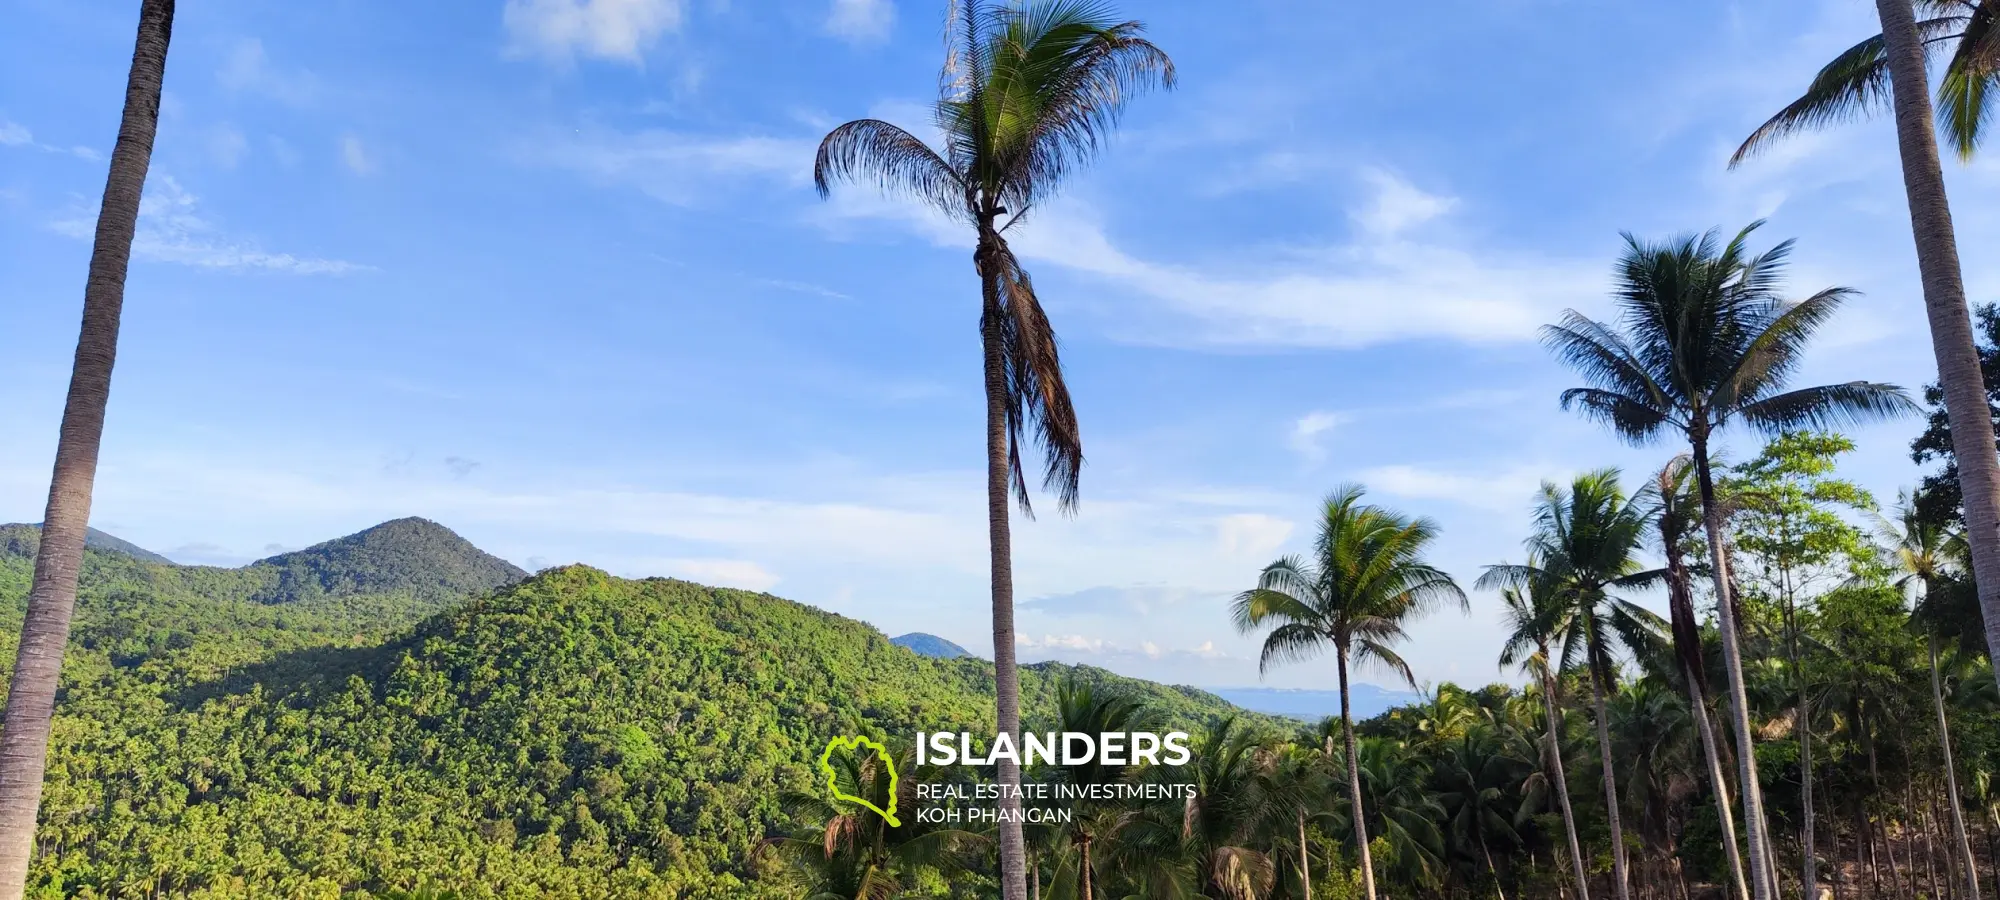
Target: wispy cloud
pixel 1507 490
pixel 355 156
pixel 675 167
pixel 172 231
pixel 861 21
pixel 248 69
pixel 1310 430
pixel 15 134
pixel 1085 646
pixel 735 573
pixel 560 30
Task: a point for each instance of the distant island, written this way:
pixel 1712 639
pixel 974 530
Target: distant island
pixel 1300 703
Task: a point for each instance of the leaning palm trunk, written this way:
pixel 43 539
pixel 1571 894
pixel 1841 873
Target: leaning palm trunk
pixel 1305 862
pixel 1354 781
pixel 999 469
pixel 1723 813
pixel 1944 303
pixel 1962 844
pixel 1561 777
pixel 1610 778
pixel 1739 702
pixel 31 698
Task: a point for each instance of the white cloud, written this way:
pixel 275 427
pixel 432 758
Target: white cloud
pixel 1308 430
pixel 1251 535
pixel 861 20
pixel 1085 646
pixel 248 69
pixel 355 156
pixel 1397 205
pixel 14 134
pixel 227 145
pixel 170 230
pixel 1509 490
pixel 608 29
pixel 734 573
pixel 672 166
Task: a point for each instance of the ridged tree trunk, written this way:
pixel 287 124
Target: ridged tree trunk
pixel 1963 843
pixel 1006 676
pixel 1618 873
pixel 1305 862
pixel 1354 778
pixel 1802 727
pixel 1561 776
pixel 1724 815
pixel 1085 875
pixel 1732 660
pixel 31 698
pixel 1944 304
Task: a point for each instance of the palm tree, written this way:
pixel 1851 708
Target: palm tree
pixel 1855 83
pixel 1587 538
pixel 1474 777
pixel 1029 92
pixel 1535 621
pixel 1708 340
pixel 1674 523
pixel 31 697
pixel 1082 709
pixel 1205 845
pixel 1925 553
pixel 1365 580
pixel 849 852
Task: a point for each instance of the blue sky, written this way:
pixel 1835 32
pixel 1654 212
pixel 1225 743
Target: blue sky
pixel 551 272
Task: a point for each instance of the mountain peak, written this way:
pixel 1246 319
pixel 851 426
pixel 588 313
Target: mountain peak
pixel 411 555
pixel 92 538
pixel 929 645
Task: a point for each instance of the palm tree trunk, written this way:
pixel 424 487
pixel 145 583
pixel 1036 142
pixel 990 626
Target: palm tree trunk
pixel 1562 782
pixel 1732 659
pixel 1964 387
pixel 1723 813
pixel 1951 777
pixel 1610 778
pixel 1354 779
pixel 1305 862
pixel 1802 726
pixel 31 699
pixel 1490 869
pixel 1006 677
pixel 1083 869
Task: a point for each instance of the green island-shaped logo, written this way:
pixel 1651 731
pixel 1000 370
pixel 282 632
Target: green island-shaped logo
pixel 833 784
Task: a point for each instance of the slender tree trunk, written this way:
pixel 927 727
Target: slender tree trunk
pixel 1723 813
pixel 31 699
pixel 1035 880
pixel 1086 876
pixel 1618 871
pixel 1732 658
pixel 1964 387
pixel 1490 869
pixel 1963 844
pixel 1354 779
pixel 1561 776
pixel 1922 830
pixel 1305 862
pixel 1006 677
pixel 1802 726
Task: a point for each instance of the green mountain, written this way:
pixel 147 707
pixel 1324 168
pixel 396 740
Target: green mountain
pixel 571 735
pixel 98 540
pixel 417 557
pixel 929 645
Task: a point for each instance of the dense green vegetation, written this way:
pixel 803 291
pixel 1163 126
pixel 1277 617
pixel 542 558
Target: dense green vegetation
pixel 572 735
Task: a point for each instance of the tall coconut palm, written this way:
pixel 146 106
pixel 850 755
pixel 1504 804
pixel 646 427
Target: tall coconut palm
pixel 1365 580
pixel 1083 709
pixel 1535 620
pixel 31 696
pixel 1674 522
pixel 1708 340
pixel 1924 553
pixel 1029 92
pixel 1586 539
pixel 1890 70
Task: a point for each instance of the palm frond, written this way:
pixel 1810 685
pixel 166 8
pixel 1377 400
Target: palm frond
pixel 1854 85
pixel 1828 407
pixel 898 161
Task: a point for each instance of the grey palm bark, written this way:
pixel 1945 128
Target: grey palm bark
pixel 1964 845
pixel 1354 779
pixel 1739 702
pixel 1944 304
pixel 1618 871
pixel 1561 777
pixel 1724 814
pixel 999 469
pixel 31 699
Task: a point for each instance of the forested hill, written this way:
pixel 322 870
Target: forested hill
pixel 570 735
